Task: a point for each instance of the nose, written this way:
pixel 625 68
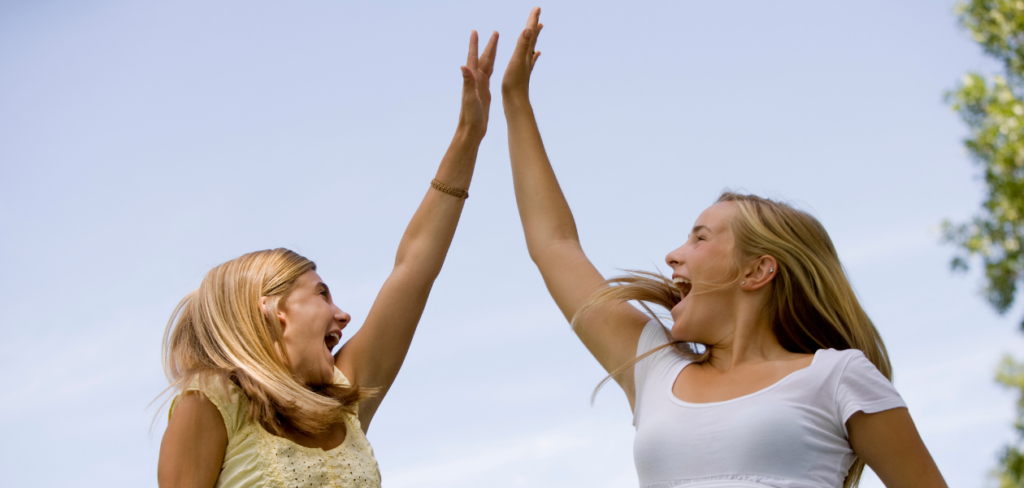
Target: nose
pixel 341 316
pixel 675 258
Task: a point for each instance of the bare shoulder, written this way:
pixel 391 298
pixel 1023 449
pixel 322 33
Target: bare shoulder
pixel 194 443
pixel 193 405
pixel 195 417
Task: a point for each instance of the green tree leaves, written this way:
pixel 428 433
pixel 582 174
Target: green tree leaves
pixel 998 25
pixel 1011 470
pixel 994 111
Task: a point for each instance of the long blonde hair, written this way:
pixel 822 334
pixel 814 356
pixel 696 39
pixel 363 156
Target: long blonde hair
pixel 811 305
pixel 219 331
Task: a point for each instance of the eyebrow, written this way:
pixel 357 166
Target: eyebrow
pixel 697 228
pixel 324 285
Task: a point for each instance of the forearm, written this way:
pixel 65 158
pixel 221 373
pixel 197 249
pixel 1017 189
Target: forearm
pixel 546 217
pixel 429 234
pixel 375 354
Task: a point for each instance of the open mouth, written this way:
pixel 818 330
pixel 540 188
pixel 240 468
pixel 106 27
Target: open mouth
pixel 332 340
pixel 683 284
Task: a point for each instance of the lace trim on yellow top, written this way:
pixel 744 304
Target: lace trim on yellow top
pixel 257 458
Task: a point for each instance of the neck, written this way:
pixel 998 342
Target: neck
pixel 750 340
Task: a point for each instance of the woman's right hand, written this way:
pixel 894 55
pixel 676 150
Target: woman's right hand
pixel 516 82
pixel 612 331
pixel 476 87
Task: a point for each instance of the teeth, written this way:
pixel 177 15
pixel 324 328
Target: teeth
pixel 332 339
pixel 683 284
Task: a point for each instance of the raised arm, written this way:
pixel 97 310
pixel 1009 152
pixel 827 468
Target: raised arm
pixel 610 333
pixel 375 354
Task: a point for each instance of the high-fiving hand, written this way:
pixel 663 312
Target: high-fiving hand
pixel 476 86
pixel 517 76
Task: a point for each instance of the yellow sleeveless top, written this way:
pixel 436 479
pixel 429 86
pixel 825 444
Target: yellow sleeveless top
pixel 259 459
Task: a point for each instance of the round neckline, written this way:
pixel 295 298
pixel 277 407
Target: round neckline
pixel 296 445
pixel 349 425
pixel 685 403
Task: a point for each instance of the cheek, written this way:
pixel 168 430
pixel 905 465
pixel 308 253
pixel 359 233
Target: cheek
pixel 301 337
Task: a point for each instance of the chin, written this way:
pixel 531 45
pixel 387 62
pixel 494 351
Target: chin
pixel 681 332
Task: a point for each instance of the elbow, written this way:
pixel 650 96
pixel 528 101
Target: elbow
pixel 422 271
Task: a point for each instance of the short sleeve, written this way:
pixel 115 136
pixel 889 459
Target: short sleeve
pixel 652 336
pixel 862 388
pixel 225 395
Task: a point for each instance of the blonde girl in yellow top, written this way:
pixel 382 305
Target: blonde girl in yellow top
pixel 261 402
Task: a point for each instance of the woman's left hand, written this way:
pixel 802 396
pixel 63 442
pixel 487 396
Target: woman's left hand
pixel 476 87
pixel 373 356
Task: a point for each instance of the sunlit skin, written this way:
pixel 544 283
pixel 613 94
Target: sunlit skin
pixel 745 355
pixel 706 260
pixel 723 310
pixel 194 443
pixel 308 318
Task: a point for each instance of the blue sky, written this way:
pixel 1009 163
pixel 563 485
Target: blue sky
pixel 143 143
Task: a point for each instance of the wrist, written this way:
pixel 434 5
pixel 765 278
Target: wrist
pixel 515 99
pixel 469 133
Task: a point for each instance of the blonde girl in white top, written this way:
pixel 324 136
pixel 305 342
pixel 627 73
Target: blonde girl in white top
pixel 792 388
pixel 262 401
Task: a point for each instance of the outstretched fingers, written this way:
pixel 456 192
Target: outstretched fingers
pixel 471 59
pixel 516 80
pixel 487 58
pixel 533 19
pixel 482 62
pixel 528 39
pixel 523 44
pixel 533 43
pixel 534 26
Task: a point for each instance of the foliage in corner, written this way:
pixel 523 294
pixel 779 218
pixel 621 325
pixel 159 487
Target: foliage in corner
pixel 1010 473
pixel 994 111
pixel 995 114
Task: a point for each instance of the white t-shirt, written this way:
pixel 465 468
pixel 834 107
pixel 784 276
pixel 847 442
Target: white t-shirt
pixel 789 435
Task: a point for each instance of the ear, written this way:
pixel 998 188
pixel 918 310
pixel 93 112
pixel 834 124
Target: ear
pixel 759 273
pixel 266 312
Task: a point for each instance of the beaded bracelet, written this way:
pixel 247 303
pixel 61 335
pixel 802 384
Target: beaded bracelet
pixel 455 192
